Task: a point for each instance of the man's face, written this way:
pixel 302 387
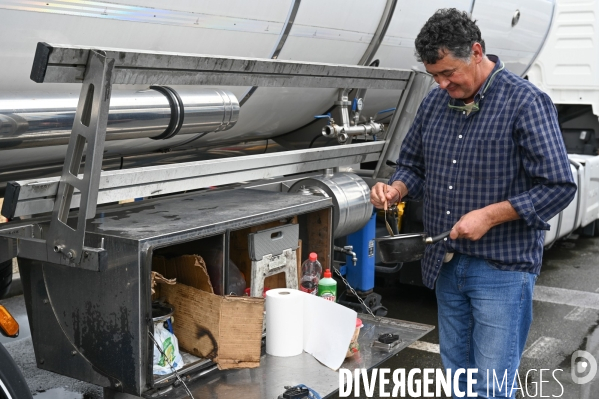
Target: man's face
pixel 455 75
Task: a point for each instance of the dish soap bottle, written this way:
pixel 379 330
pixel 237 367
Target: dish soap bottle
pixel 327 287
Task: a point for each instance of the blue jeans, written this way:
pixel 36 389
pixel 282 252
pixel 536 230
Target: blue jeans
pixel 484 318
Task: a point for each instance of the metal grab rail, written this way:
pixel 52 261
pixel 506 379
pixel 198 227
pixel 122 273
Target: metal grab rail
pixel 67 64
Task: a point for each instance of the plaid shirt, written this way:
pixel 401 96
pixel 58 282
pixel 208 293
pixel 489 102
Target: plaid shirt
pixel 511 149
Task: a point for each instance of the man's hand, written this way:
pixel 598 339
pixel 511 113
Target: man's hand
pixel 471 226
pixel 475 224
pixel 391 194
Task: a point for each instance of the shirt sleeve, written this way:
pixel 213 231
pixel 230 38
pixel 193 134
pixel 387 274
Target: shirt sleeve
pixel 410 164
pixel 545 162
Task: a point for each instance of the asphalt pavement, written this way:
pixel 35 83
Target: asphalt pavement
pixel 566 315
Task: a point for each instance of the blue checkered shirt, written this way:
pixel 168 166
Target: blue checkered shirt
pixel 511 149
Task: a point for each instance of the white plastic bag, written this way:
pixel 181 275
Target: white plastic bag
pixel 170 347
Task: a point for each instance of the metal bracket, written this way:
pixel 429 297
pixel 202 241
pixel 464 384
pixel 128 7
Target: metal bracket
pixel 25 242
pixel 9 242
pixel 88 134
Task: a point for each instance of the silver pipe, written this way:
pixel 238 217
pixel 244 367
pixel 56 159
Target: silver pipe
pixel 146 113
pixel 208 110
pixel 345 130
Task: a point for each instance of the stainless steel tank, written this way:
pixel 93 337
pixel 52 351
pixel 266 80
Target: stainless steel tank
pixel 361 32
pixel 350 195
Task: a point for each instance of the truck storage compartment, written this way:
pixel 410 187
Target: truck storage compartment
pixel 229 329
pixel 98 330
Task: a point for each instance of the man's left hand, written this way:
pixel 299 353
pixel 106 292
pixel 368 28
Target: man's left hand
pixel 471 226
pixel 475 224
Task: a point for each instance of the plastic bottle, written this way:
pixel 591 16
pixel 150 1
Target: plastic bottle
pixel 311 272
pixel 327 287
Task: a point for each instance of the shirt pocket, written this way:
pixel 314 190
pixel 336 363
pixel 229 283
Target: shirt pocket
pixel 490 159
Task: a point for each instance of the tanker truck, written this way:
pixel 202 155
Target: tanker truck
pixel 246 133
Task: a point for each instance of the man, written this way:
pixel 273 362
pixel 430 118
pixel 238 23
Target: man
pixel 485 153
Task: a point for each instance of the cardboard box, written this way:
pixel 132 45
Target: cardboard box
pixel 226 329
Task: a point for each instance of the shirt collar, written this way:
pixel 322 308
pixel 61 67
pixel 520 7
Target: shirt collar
pixel 488 84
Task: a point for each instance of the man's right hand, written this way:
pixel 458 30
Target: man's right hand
pixel 381 193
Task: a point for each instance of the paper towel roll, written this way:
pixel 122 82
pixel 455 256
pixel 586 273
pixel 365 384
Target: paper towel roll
pixel 284 322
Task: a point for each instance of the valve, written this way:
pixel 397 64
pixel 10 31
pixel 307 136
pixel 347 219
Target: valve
pixel 327 115
pixel 349 127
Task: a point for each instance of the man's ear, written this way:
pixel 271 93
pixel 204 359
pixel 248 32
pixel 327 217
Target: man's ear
pixel 477 52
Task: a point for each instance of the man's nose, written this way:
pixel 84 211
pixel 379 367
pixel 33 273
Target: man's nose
pixel 443 82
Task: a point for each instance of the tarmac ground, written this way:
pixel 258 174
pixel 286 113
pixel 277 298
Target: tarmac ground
pixel 566 315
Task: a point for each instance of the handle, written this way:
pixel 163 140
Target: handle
pixel 277 235
pixel 432 240
pixel 327 116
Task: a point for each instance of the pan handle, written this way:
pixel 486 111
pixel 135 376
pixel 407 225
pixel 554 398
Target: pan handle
pixel 432 240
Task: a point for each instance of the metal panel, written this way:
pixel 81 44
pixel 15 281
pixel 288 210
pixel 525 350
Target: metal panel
pixel 570 213
pixel 551 234
pixel 53 349
pixel 187 217
pixel 66 65
pixel 37 196
pixel 274 373
pixel 514 29
pixel 590 187
pixel 567 67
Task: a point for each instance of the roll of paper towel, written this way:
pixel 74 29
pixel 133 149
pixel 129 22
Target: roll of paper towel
pixel 284 326
pixel 297 321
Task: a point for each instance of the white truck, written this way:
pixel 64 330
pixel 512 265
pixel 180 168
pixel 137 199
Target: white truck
pixel 116 84
pixel 567 69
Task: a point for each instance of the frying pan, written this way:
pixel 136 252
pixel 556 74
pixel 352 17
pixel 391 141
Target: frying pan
pixel 405 247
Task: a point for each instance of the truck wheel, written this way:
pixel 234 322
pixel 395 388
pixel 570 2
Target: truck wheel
pixel 12 382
